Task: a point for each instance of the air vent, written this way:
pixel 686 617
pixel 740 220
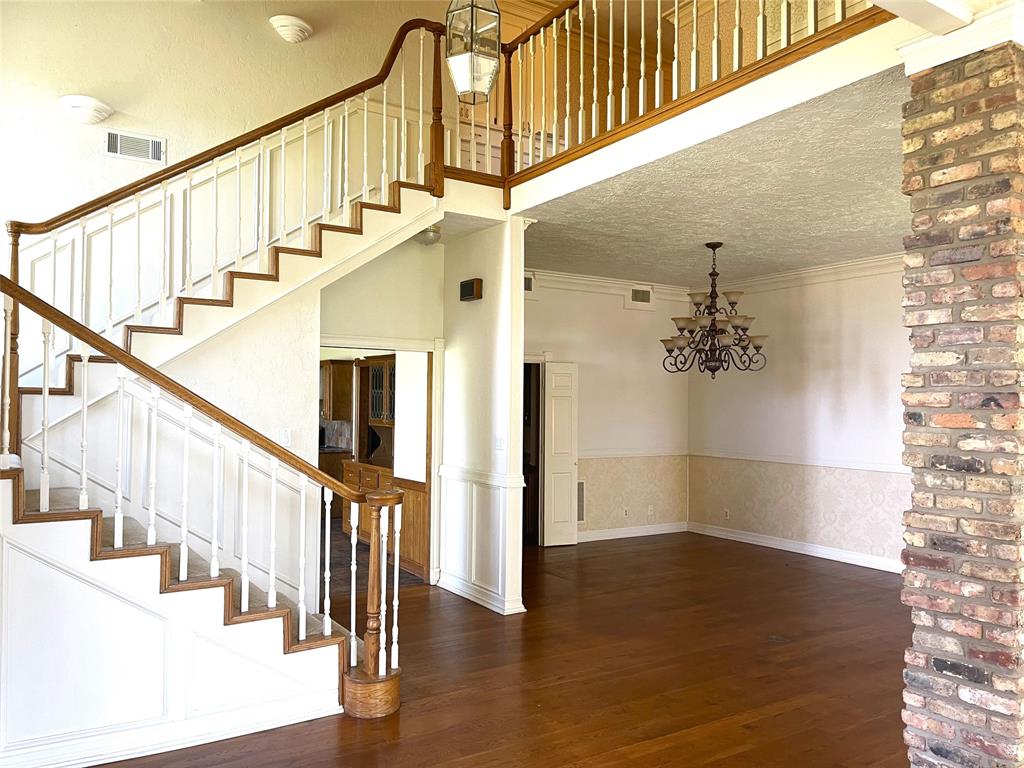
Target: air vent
pixel 136 147
pixel 580 496
pixel 640 296
pixel 528 283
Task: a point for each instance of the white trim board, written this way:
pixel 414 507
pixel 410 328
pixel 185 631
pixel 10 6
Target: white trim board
pixel 800 547
pixel 479 595
pixel 606 534
pixel 855 466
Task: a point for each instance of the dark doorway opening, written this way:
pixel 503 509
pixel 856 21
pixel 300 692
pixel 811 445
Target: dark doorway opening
pixel 531 453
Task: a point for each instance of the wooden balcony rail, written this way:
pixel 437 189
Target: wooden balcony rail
pixel 594 71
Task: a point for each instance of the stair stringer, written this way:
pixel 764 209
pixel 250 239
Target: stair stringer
pixel 124 669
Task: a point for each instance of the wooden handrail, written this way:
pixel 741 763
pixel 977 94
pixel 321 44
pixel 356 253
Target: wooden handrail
pixel 167 384
pixel 555 13
pixel 245 139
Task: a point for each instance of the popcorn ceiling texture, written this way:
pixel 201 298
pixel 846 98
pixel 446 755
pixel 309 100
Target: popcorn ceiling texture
pixel 834 161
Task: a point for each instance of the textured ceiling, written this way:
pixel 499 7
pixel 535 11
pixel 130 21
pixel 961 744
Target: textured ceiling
pixel 814 185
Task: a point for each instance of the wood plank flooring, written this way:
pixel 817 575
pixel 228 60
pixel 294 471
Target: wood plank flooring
pixel 677 650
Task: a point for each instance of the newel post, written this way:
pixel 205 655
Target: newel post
pixel 371 640
pixel 508 146
pixel 13 424
pixel 436 125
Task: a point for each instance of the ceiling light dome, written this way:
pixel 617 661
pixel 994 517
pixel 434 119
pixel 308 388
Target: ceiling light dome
pixel 291 28
pixel 85 109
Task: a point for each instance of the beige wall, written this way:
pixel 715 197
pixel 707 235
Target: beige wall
pixel 634 491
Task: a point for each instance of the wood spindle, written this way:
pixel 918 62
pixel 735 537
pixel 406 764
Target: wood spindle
pixel 303 493
pixel 186 441
pixel 694 52
pixel 246 446
pixel 625 62
pixel 436 125
pixel 353 522
pixel 83 477
pixel 328 500
pixel 275 465
pixel 508 146
pixel 737 39
pixel 44 445
pixel 8 382
pixel 716 43
pixel 217 490
pixel 382 660
pixel 119 461
pixel 762 30
pixel 154 417
pixel 371 638
pixel 396 549
pixel 420 167
pixel 785 24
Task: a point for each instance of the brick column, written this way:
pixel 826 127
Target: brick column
pixel 962 141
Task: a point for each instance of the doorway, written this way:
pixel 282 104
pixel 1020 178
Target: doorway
pixel 531 453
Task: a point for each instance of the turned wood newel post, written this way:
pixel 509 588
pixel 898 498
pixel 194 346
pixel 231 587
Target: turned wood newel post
pixel 371 640
pixel 14 416
pixel 507 144
pixel 437 126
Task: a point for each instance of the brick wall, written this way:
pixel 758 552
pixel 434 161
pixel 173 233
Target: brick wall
pixel 962 143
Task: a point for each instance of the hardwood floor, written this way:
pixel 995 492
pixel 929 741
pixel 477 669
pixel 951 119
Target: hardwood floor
pixel 677 650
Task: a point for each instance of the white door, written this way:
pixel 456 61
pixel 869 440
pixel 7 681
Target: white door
pixel 561 439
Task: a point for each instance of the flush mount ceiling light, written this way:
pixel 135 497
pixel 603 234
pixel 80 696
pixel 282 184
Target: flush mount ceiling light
pixel 291 28
pixel 85 109
pixel 705 338
pixel 428 236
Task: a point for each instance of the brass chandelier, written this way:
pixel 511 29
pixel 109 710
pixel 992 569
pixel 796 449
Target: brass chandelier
pixel 705 340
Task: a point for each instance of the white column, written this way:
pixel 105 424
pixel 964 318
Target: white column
pixel 328 498
pixel 44 448
pixel 186 413
pixel 83 478
pixel 394 600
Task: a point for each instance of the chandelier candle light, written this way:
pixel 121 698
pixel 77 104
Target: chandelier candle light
pixel 705 338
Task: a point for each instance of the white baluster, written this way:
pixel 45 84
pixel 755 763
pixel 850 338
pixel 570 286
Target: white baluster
pixel 457 149
pixel 487 136
pixel 676 64
pixel 420 162
pixel 119 462
pixel 215 254
pixel 138 261
pixel 328 499
pixel 840 12
pixel 694 54
pixel 346 208
pixel 384 144
pixel 238 210
pixel 625 61
pixel 554 89
pixel 186 413
pixel 83 478
pixel 737 40
pixel 165 262
pixel 472 136
pixel 188 234
pixel 305 180
pixel 382 665
pixel 593 98
pixel 657 60
pixel 762 30
pixel 716 45
pixel 262 207
pixel 519 108
pixel 44 446
pixel 366 142
pixel 83 268
pixel 110 271
pixel 245 525
pixel 812 17
pixel 353 521
pixel 217 488
pixel 403 160
pixel 785 24
pixel 610 117
pixel 394 600
pixel 566 129
pixel 327 167
pixel 154 417
pixel 272 567
pixel 533 100
pixel 283 214
pixel 5 457
pixel 303 484
pixel 641 101
pixel 581 128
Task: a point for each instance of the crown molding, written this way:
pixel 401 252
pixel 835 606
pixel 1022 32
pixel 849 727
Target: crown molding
pixel 890 263
pixel 565 281
pixel 999 24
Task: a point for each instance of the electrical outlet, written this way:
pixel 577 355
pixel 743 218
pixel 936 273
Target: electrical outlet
pixel 726 513
pixel 286 437
pixel 625 512
pixel 650 511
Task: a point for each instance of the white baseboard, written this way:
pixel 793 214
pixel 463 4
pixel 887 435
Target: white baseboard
pixel 628 533
pixel 800 547
pixel 478 594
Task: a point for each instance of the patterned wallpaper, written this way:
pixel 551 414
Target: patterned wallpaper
pixel 633 483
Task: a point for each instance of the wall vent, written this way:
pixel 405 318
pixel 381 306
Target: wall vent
pixel 580 496
pixel 134 146
pixel 528 283
pixel 640 295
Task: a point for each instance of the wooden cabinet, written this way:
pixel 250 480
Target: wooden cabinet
pixel 336 390
pixel 381 379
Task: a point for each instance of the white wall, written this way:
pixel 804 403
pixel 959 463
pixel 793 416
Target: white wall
pixel 411 415
pixel 481 519
pixel 808 450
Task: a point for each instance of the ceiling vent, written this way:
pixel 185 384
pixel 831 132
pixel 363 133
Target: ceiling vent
pixel 135 146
